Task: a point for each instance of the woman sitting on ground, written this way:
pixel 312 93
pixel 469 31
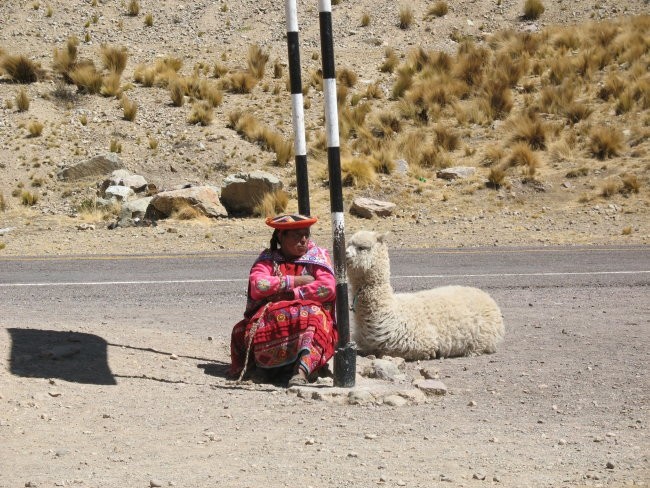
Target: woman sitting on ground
pixel 289 322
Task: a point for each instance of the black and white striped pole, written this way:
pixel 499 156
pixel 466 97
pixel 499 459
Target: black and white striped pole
pixel 345 358
pixel 297 106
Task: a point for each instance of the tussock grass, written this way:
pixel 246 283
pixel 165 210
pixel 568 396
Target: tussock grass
pixel 3 203
pixel 20 68
pixel 28 199
pixel 492 156
pixel 438 9
pixel 87 78
pixel 530 129
pixel 496 177
pixel 35 128
pixel 148 20
pixel 631 184
pixel 111 85
pixel 406 17
pixel 605 142
pixel 22 100
pixel 447 138
pixel 66 59
pixel 390 61
pixel 523 156
pixel 133 8
pixel 365 19
pixel 248 126
pixel 271 204
pixel 610 187
pixel 347 77
pixel 129 108
pixel 202 113
pixel 383 161
pixel 114 58
pixel 257 59
pixel 115 146
pixel 357 172
pixel 177 92
pixel 533 9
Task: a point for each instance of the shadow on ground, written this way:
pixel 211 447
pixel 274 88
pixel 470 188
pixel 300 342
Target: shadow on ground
pixel 71 356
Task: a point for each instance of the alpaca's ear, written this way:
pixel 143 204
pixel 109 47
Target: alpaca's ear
pixel 383 236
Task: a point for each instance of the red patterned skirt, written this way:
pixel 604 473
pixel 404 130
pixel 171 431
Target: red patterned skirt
pixel 285 332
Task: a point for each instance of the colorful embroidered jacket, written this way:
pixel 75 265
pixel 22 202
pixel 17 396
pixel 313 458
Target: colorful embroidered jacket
pixel 271 274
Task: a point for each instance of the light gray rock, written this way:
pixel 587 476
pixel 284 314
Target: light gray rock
pixel 119 193
pixel 97 166
pixel 360 397
pixel 456 172
pixel 395 401
pixel 240 193
pixel 401 167
pixel 382 369
pixel 135 208
pixel 203 198
pixel 431 387
pixel 368 207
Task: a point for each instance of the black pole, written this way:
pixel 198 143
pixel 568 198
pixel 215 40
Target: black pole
pixel 345 358
pixel 297 105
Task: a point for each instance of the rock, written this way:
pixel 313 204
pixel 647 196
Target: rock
pixel 119 193
pixel 431 387
pixel 368 207
pixel 86 227
pixel 401 167
pixel 413 395
pixel 429 373
pixel 97 166
pixel 241 192
pixel 478 476
pixel 6 230
pixel 135 208
pixel 360 397
pixel 395 400
pixel 381 369
pixel 155 483
pixel 610 465
pixel 205 199
pixel 456 172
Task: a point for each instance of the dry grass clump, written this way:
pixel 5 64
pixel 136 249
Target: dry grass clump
pixel 390 62
pixel 530 129
pixel 202 113
pixel 111 85
pixel 522 155
pixel 3 203
pixel 365 19
pixel 533 9
pixel 87 78
pixel 35 128
pixel 28 198
pixel 185 211
pixel 257 59
pixel 496 99
pixel 133 8
pixel 129 108
pixel 357 172
pixel 492 156
pixel 496 177
pixel 177 92
pixel 438 9
pixel 148 20
pixel 631 184
pixel 383 161
pixel 114 58
pixel 347 77
pixel 20 68
pixel 239 82
pixel 272 203
pixel 22 100
pixel 406 17
pixel 248 126
pixel 605 142
pixel 66 59
pixel 610 187
pixel 447 138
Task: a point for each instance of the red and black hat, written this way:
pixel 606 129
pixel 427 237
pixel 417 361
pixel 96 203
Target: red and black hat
pixel 288 222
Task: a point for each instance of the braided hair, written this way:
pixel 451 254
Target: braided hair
pixel 275 240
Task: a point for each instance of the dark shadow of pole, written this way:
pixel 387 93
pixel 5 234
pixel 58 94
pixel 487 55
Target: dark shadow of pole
pixel 71 356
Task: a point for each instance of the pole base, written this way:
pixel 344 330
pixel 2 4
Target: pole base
pixel 345 365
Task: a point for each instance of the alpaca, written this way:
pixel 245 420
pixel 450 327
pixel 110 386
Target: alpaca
pixel 441 322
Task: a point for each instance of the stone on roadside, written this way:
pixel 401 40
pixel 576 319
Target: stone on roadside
pixel 97 166
pixel 135 208
pixel 431 387
pixel 382 369
pixel 360 397
pixel 204 199
pixel 368 207
pixel 118 193
pixel 155 483
pixel 241 192
pixel 456 172
pixel 395 400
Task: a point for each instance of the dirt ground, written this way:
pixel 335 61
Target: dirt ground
pixel 101 402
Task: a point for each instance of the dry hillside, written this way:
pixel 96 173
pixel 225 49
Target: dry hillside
pixel 548 100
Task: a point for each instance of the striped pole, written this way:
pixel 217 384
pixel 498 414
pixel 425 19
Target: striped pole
pixel 345 358
pixel 297 105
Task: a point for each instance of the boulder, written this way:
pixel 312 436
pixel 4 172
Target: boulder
pixel 122 177
pixel 203 198
pixel 456 172
pixel 119 193
pixel 97 166
pixel 135 208
pixel 240 193
pixel 367 207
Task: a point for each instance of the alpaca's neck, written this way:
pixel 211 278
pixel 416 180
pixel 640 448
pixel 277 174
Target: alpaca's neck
pixel 371 296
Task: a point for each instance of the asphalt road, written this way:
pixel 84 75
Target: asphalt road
pixel 205 293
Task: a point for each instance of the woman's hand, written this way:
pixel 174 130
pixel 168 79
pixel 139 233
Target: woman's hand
pixel 303 280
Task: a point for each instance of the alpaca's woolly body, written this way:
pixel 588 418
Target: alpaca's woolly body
pixel 440 322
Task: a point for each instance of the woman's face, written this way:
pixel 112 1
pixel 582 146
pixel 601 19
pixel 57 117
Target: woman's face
pixel 293 243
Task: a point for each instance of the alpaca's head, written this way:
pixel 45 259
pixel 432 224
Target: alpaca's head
pixel 367 258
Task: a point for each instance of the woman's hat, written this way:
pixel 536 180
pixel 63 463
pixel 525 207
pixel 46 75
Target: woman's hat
pixel 288 222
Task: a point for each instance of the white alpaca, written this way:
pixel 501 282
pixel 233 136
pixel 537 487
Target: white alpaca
pixel 440 322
